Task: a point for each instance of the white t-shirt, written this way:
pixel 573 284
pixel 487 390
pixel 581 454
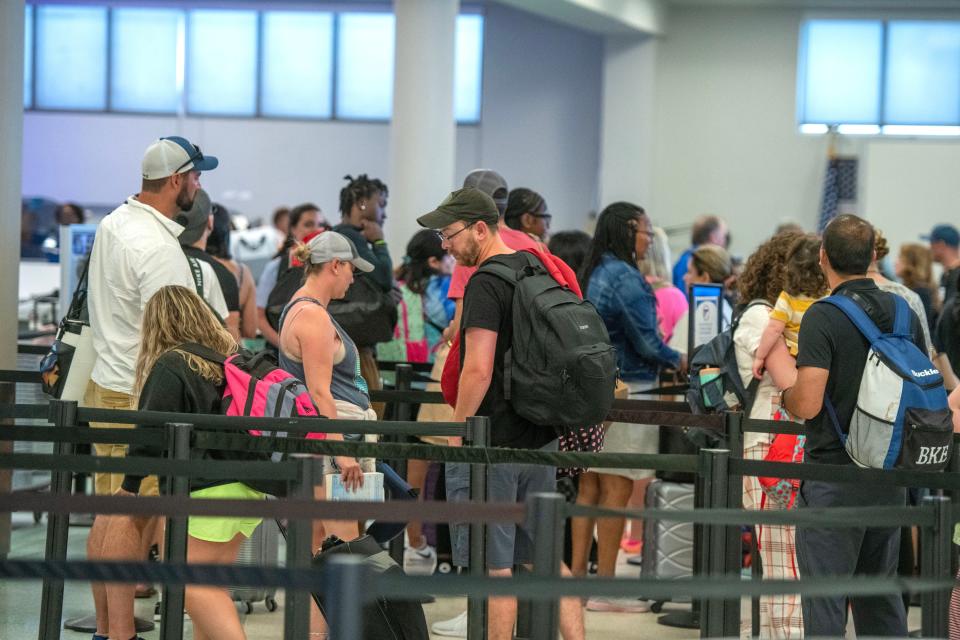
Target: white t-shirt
pixel 135 253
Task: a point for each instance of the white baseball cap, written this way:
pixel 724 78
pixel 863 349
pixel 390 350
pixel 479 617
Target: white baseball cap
pixel 331 245
pixel 174 154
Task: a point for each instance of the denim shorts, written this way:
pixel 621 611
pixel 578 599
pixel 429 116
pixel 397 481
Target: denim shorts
pixel 508 543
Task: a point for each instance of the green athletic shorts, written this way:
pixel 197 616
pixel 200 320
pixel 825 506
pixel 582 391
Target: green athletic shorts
pixel 217 529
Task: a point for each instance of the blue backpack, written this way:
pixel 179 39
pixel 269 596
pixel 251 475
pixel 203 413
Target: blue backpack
pixel 901 419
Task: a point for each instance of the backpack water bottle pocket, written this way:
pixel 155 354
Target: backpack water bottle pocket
pixel 927 439
pixel 869 439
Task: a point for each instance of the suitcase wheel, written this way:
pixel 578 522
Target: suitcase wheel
pixel 271 604
pixel 656 607
pixel 444 567
pixel 249 607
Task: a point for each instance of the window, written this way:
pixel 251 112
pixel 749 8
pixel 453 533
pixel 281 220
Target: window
pixel 303 63
pixel 365 65
pixel 144 69
pixel 28 57
pixel 468 68
pixel 923 73
pixel 221 73
pixel 297 64
pixel 71 57
pixel 873 76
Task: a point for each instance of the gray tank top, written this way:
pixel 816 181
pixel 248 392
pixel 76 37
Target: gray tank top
pixel 346 383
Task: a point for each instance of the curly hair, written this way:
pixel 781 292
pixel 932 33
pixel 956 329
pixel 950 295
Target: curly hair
pixel 762 277
pixel 880 245
pixel 802 274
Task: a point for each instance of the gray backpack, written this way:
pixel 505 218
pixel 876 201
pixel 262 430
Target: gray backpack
pixel 561 369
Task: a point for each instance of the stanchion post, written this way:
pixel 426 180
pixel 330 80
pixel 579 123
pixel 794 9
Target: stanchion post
pixel 171 606
pixel 345 581
pixel 734 422
pixel 404 379
pixel 63 413
pixel 297 603
pixel 545 512
pixel 935 564
pixel 478 436
pixel 715 614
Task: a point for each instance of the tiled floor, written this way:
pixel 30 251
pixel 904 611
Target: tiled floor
pixel 20 602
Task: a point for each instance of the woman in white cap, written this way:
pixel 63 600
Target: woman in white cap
pixel 314 348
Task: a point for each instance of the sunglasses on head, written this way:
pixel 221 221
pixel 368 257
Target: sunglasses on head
pixel 195 157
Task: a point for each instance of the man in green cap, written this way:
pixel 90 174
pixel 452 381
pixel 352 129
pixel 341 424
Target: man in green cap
pixel 467 222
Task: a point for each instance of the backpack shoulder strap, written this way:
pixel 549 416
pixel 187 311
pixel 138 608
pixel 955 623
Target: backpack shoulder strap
pixel 857 316
pixel 201 352
pixel 901 317
pixel 197 273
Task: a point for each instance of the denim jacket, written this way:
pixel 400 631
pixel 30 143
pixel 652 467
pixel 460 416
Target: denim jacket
pixel 628 307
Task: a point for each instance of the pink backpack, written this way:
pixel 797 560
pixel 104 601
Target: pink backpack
pixel 256 386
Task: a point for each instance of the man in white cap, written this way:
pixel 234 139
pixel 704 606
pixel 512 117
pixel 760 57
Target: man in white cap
pixel 135 253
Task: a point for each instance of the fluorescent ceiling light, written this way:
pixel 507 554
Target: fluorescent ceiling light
pixel 858 129
pixel 918 130
pixel 814 128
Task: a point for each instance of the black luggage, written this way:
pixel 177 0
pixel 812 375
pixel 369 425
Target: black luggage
pixel 383 619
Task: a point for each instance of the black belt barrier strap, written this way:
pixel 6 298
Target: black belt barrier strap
pixel 526 586
pixel 838 517
pixel 32 377
pixel 150 436
pixel 173 506
pixel 845 474
pixel 773 426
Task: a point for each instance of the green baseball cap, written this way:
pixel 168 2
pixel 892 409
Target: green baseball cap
pixel 467 205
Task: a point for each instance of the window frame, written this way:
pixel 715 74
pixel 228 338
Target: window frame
pixel 335 9
pixel 881 128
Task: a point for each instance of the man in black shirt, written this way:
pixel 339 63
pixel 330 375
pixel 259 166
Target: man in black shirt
pixel 467 221
pixel 830 362
pixel 945 247
pixel 197 224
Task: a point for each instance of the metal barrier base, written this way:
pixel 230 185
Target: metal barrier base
pixel 680 620
pixel 88 624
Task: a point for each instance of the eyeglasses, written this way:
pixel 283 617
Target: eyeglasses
pixel 546 216
pixel 444 238
pixel 194 157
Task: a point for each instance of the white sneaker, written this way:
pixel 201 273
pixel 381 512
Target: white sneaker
pixel 452 628
pixel 420 562
pixel 617 605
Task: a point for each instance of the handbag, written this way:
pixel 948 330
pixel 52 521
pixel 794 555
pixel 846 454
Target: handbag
pixel 367 313
pixel 65 370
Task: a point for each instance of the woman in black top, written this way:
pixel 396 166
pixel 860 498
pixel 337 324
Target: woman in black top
pixel 169 379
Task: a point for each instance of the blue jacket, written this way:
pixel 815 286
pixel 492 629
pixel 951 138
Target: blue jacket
pixel 628 307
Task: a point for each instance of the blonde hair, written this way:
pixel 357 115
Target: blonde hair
pixel 173 316
pixel 713 261
pixel 656 262
pixel 301 251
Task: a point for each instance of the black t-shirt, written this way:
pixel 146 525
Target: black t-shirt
pixel 488 304
pixel 228 282
pixel 829 340
pixel 949 280
pixel 945 337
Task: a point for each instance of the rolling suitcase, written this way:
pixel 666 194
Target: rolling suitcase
pixel 667 546
pixel 259 550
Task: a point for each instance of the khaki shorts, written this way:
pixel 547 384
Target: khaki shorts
pixel 106 484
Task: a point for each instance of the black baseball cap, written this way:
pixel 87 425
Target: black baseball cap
pixel 467 205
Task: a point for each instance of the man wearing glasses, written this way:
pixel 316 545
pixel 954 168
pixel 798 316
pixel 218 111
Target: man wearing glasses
pixel 135 253
pixel 468 223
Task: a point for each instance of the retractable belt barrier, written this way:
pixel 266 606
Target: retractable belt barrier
pixel 716 586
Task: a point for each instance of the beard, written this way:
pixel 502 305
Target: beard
pixel 469 256
pixel 184 201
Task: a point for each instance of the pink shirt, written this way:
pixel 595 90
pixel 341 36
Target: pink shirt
pixel 516 240
pixel 671 305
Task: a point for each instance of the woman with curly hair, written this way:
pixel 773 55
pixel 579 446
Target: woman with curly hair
pixel 760 285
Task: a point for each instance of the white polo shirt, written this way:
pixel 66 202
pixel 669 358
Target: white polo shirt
pixel 135 253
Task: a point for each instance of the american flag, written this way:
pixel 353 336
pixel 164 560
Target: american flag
pixel 839 189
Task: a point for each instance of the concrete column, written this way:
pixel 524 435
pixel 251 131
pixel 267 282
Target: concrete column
pixel 423 130
pixel 626 154
pixel 11 146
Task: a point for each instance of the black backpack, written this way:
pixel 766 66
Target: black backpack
pixel 289 279
pixel 561 369
pixel 726 391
